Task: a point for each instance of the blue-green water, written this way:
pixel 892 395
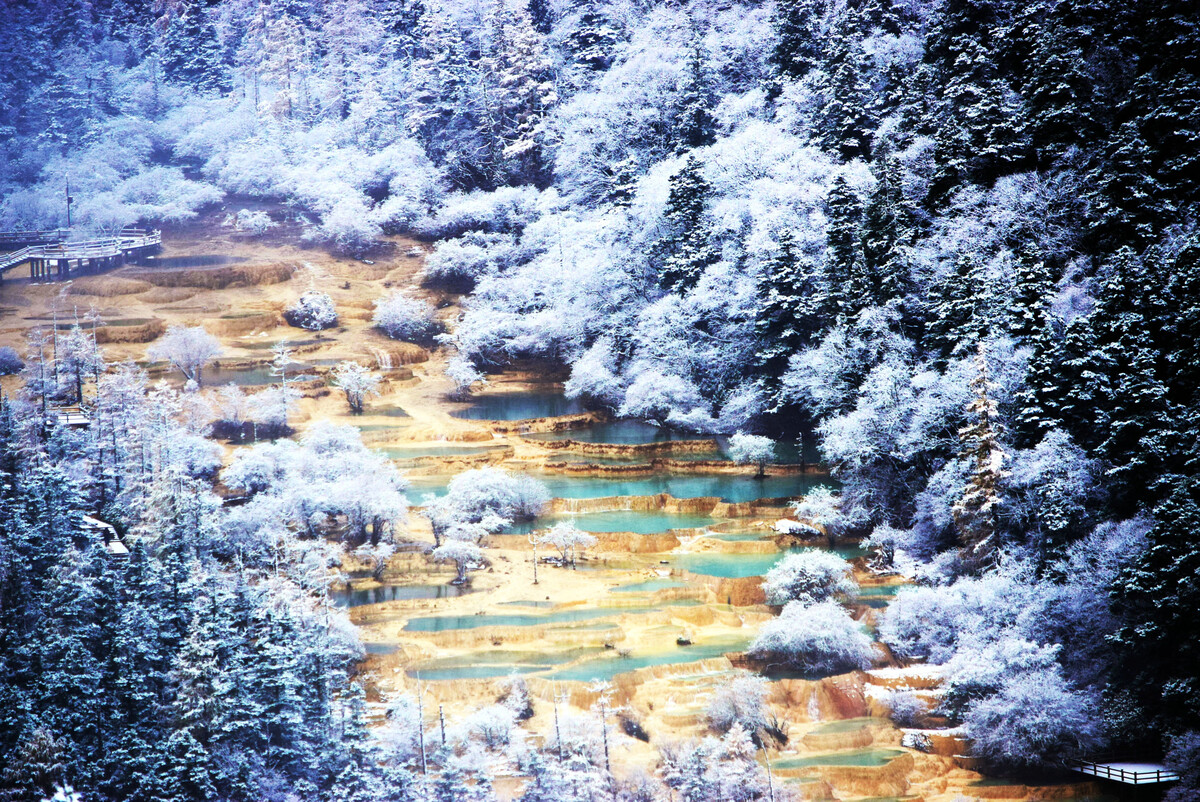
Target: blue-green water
pixel 738 566
pixel 384 593
pixel 723 486
pixel 649 586
pixel 642 522
pixel 414 452
pixel 519 406
pixel 246 377
pixel 607 666
pixel 739 537
pixel 446 623
pixel 621 432
pixel 872 758
pixel 497 663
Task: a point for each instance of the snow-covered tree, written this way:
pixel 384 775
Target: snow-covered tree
pixel 403 318
pixel 752 449
pixel 188 350
pixel 313 310
pixel 356 381
pixel 568 540
pixel 810 576
pixel 818 638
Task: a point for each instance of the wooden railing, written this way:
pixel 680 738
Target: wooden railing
pixel 33 237
pixel 1112 771
pixel 130 239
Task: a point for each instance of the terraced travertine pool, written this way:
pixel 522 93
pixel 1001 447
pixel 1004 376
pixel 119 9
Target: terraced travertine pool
pixel 618 432
pixel 607 666
pixel 641 522
pixel 519 406
pixel 649 586
pixel 356 597
pixel 731 488
pixel 872 758
pixel 447 623
pixel 739 566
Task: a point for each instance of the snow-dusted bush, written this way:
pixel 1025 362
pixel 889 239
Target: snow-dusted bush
pixel 1183 757
pixel 465 556
pixel 404 318
pixel 256 222
pixel 906 708
pixel 491 491
pixel 508 209
pixel 464 374
pixel 356 381
pixel 347 228
pixel 810 576
pixel 1037 717
pixel 819 639
pixel 742 701
pixel 10 361
pixel 494 726
pixel 188 350
pixel 568 539
pixel 313 310
pixel 751 449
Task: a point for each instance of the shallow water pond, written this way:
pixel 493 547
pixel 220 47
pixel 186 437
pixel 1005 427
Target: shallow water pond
pixel 414 452
pixel 183 262
pixel 872 758
pixel 649 586
pixel 610 665
pixel 519 406
pixel 641 522
pixel 385 593
pixel 620 432
pixel 733 488
pixel 446 623
pixel 497 663
pixel 740 566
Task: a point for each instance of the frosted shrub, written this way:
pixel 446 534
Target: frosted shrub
pixel 10 362
pixel 752 449
pixel 188 350
pixel 463 554
pixel 483 491
pixel 356 382
pixel 256 223
pixel 1037 717
pixel 567 539
pixel 404 318
pixel 820 639
pixel 493 726
pixel 347 227
pixel 810 576
pixel 742 701
pixel 506 209
pixel 313 311
pixel 906 708
pixel 464 374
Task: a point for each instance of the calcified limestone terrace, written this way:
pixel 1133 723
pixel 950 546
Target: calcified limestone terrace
pixel 622 616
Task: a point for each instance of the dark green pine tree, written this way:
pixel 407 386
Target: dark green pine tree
pixel 622 182
pixel 1181 335
pixel 847 287
pixel 592 41
pixel 400 18
pixel 1040 399
pixel 541 12
pixel 956 304
pixel 192 52
pixel 799 41
pixel 1031 298
pixel 695 126
pixel 1134 419
pixel 788 309
pixel 33 769
pixel 1157 597
pixel 847 119
pixel 887 228
pixel 687 250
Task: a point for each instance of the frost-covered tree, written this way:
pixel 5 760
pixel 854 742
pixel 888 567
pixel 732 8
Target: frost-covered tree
pixel 752 449
pixel 568 540
pixel 819 638
pixel 356 381
pixel 810 576
pixel 188 350
pixel 403 318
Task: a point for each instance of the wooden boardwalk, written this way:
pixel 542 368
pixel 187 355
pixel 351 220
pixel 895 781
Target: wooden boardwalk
pixel 1125 771
pixel 51 257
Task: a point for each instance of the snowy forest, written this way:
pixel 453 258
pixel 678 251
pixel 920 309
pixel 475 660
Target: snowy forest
pixel 949 246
